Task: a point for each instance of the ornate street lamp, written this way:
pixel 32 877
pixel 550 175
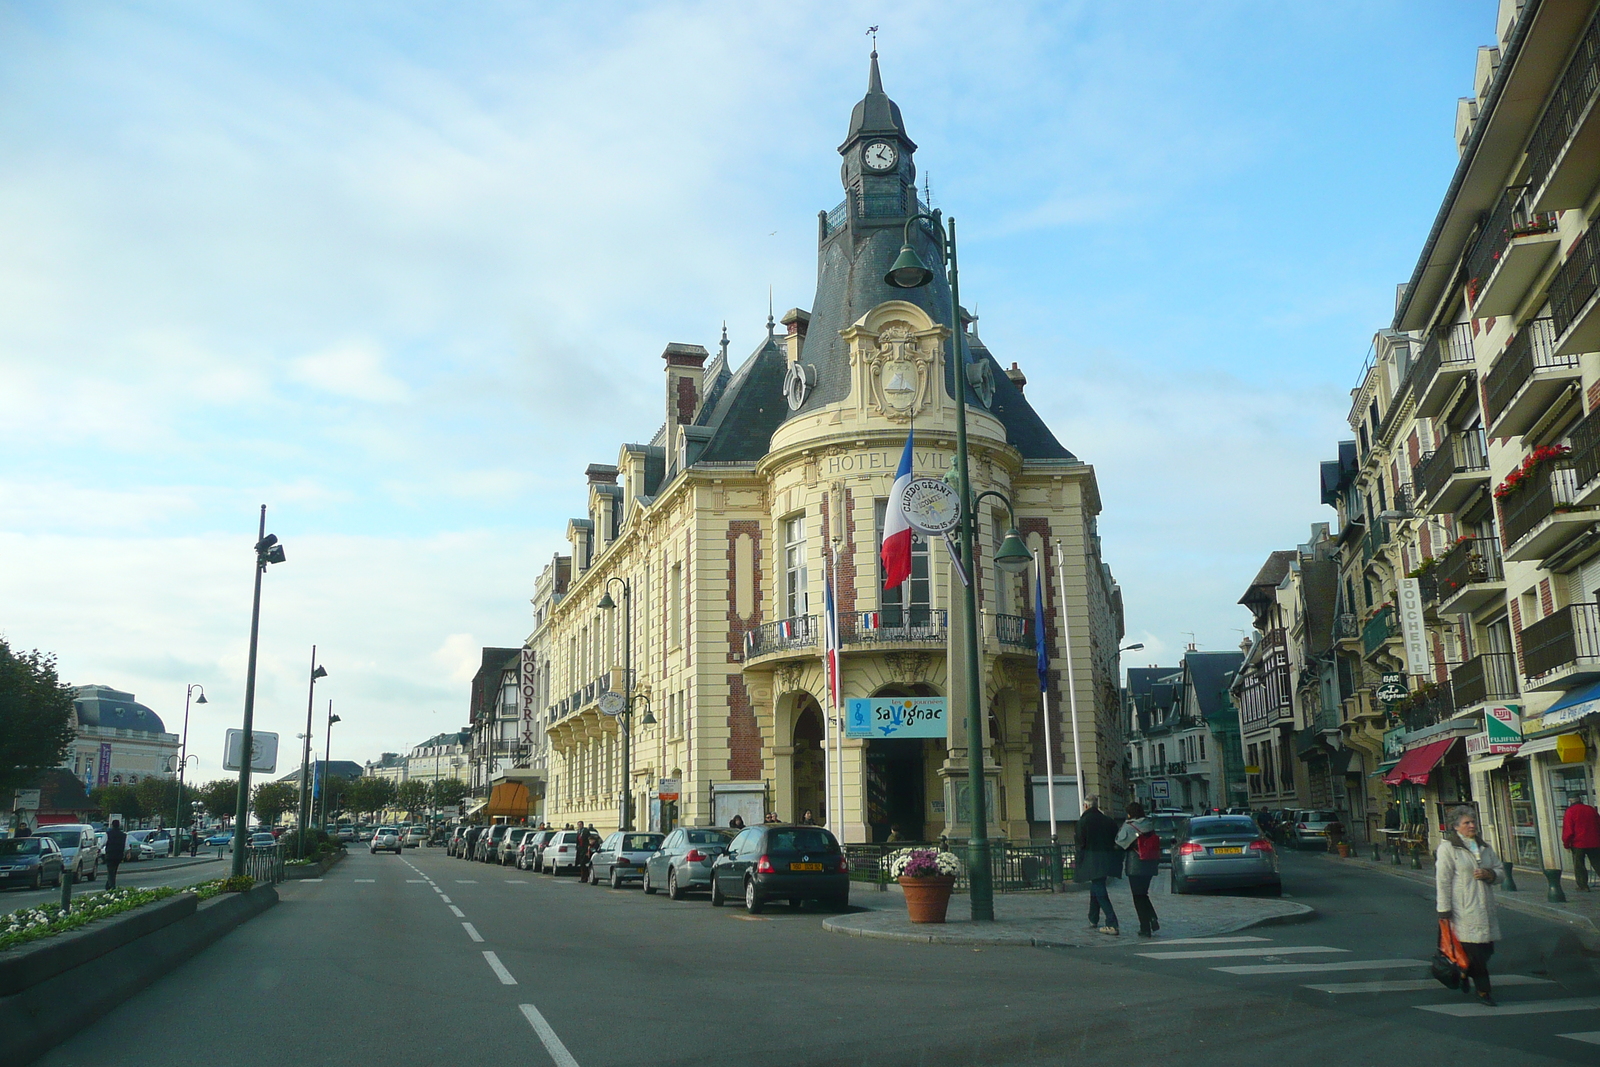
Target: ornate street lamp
pixel 183 750
pixel 317 671
pixel 621 705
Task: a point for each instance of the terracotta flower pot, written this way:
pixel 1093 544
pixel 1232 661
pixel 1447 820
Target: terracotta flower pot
pixel 927 899
pixel 1344 850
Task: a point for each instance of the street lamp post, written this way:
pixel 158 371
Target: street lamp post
pixel 625 712
pixel 268 551
pixel 183 748
pixel 909 272
pixel 322 773
pixel 305 752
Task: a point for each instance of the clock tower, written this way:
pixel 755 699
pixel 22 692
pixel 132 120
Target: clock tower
pixel 880 178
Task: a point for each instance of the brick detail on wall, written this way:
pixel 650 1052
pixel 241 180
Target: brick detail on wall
pixel 687 400
pixel 845 580
pixel 1594 396
pixel 744 736
pixel 1547 599
pixel 1516 627
pixel 738 626
pixel 1052 643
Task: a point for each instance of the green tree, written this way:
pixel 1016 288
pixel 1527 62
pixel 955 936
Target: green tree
pixel 412 796
pixel 158 797
pixel 337 789
pixel 221 797
pixel 271 799
pixel 37 721
pixel 120 800
pixel 367 796
pixel 448 792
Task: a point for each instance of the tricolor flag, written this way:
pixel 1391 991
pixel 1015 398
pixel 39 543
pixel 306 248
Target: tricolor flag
pixel 896 550
pixel 1038 628
pixel 831 642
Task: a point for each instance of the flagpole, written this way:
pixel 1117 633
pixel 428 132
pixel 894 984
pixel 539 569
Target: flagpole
pixel 1044 702
pixel 1072 688
pixel 836 694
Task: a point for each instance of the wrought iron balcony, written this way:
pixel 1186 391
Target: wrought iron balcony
pixel 1485 678
pixel 894 626
pixel 1446 477
pixel 1563 148
pixel 800 633
pixel 1014 630
pixel 1512 248
pixel 1563 648
pixel 1574 309
pixel 1526 378
pixel 1470 574
pixel 1428 707
pixel 1377 536
pixel 1446 358
pixel 1542 515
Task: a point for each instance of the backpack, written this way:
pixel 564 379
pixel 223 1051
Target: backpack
pixel 1148 845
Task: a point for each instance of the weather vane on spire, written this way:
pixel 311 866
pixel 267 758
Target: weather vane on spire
pixel 872 31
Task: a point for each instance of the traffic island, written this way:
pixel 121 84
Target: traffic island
pixel 295 871
pixel 1050 920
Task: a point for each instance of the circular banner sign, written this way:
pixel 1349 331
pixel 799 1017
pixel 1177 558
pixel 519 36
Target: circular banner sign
pixel 931 506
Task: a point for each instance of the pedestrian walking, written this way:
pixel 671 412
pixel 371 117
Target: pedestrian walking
pixel 1466 870
pixel 736 823
pixel 1097 860
pixel 1142 846
pixel 116 843
pixel 1580 832
pixel 194 843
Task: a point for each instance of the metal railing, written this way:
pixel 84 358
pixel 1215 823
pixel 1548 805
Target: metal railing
pixel 784 635
pixel 1486 677
pixel 1532 349
pixel 894 625
pixel 1379 629
pixel 836 217
pixel 1567 105
pixel 265 863
pixel 1585 457
pixel 1376 537
pixel 1561 638
pixel 1429 707
pixel 1574 283
pixel 1014 630
pixel 1510 218
pixel 1551 485
pixel 1459 453
pixel 1470 561
pixel 1450 347
pixel 1013 868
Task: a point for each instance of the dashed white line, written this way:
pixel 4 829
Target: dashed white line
pixel 303 881
pixel 499 968
pixel 458 912
pixel 466 881
pixel 1526 1007
pixel 444 898
pixel 472 932
pixel 516 881
pixel 1211 954
pixel 415 881
pixel 1591 1037
pixel 371 880
pixel 552 1043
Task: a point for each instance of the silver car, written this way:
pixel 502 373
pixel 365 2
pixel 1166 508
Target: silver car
pixel 506 854
pixel 80 849
pixel 1310 828
pixel 385 839
pixel 684 860
pixel 622 856
pixel 1224 852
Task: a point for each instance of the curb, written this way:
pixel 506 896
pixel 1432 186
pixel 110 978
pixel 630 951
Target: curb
pixel 316 870
pixel 1304 913
pixel 55 1008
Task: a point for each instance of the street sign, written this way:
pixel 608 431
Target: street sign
pixel 895 717
pixel 26 800
pixel 263 754
pixel 1158 789
pixel 1393 688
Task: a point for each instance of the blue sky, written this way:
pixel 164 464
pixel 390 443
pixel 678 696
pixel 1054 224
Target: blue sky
pixel 402 270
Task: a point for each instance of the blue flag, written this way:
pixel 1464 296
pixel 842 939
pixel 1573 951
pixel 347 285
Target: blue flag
pixel 1038 630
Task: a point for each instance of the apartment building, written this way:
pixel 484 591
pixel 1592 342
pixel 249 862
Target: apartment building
pixel 1182 730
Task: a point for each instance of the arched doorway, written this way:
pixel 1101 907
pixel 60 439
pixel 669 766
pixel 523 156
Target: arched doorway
pixel 897 777
pixel 809 761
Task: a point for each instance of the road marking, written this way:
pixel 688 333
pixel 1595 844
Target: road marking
pixel 516 881
pixel 305 880
pixel 1527 1007
pixel 499 968
pixel 415 881
pixel 552 1043
pixel 472 932
pixel 444 898
pixel 466 881
pixel 1211 954
pixel 458 912
pixel 1211 940
pixel 1314 968
pixel 366 880
pixel 1592 1037
pixel 1410 985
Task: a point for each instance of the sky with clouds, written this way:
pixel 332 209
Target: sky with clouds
pixel 401 270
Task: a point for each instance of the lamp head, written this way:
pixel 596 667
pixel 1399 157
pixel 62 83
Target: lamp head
pixel 908 272
pixel 274 554
pixel 333 719
pixel 1013 556
pixel 201 699
pixel 649 719
pixel 320 672
pixel 606 603
pixel 1132 648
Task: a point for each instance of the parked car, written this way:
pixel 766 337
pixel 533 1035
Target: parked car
pixel 160 841
pixel 486 848
pixel 529 847
pixel 507 852
pixel 684 860
pixel 622 856
pixel 31 861
pixel 415 836
pixel 1168 829
pixel 458 836
pixel 1224 852
pixel 385 839
pixel 220 839
pixel 469 841
pixel 1311 828
pixel 136 848
pixel 560 852
pixel 797 863
pixel 80 850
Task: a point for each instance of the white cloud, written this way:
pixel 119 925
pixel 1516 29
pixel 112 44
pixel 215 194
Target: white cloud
pixel 354 369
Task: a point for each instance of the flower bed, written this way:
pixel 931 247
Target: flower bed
pixel 47 920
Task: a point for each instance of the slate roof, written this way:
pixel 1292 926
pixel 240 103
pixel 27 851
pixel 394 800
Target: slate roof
pixel 1319 580
pixel 112 709
pixel 1208 673
pixel 1272 573
pixel 748 408
pixel 342 768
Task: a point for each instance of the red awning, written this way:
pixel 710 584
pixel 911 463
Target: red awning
pixel 1418 763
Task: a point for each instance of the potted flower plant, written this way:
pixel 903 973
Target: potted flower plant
pixel 928 877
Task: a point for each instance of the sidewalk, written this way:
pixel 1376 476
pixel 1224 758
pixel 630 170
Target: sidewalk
pixel 1581 912
pixel 1060 920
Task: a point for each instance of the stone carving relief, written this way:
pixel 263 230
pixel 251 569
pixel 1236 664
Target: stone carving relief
pixel 908 667
pixel 900 372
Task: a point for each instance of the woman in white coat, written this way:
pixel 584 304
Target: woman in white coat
pixel 1466 871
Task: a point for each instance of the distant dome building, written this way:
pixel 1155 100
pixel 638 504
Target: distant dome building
pixel 120 741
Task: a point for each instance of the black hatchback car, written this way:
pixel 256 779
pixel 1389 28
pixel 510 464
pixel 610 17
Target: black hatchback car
pixel 776 862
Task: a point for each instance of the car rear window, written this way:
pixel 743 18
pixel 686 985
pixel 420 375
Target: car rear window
pixel 1167 822
pixel 1317 816
pixel 64 838
pixel 801 839
pixel 22 846
pixel 708 837
pixel 1222 827
pixel 641 842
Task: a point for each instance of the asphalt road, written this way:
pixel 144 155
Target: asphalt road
pixel 141 874
pixel 421 959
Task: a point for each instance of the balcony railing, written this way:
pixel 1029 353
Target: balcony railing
pixel 1585 457
pixel 1568 103
pixel 1532 349
pixel 1429 707
pixel 1491 676
pixel 893 625
pixel 1575 281
pixel 800 632
pixel 1459 453
pixel 1448 348
pixel 1560 639
pixel 1379 629
pixel 1552 485
pixel 1511 218
pixel 1376 538
pixel 1014 630
pixel 1470 561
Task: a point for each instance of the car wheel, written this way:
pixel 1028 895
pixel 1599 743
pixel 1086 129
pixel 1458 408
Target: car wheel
pixel 38 879
pixel 616 879
pixel 796 903
pixel 94 872
pixel 649 889
pixel 673 890
pixel 752 898
pixel 57 883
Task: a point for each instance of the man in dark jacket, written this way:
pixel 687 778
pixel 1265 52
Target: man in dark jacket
pixel 1097 860
pixel 1580 831
pixel 116 844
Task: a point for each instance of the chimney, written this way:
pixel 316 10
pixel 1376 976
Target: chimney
pixel 601 474
pixel 797 322
pixel 685 386
pixel 1018 379
pixel 1244 645
pixel 1192 647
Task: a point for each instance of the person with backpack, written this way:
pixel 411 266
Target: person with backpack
pixel 1142 845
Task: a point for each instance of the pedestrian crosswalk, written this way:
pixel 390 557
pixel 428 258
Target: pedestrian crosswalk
pixel 1455 1006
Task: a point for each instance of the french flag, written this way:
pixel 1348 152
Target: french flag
pixel 896 550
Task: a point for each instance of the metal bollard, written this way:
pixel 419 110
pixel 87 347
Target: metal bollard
pixel 1394 851
pixel 1377 855
pixel 1511 880
pixel 1555 895
pixel 1416 857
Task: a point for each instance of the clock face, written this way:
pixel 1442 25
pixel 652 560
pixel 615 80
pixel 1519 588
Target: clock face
pixel 879 155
